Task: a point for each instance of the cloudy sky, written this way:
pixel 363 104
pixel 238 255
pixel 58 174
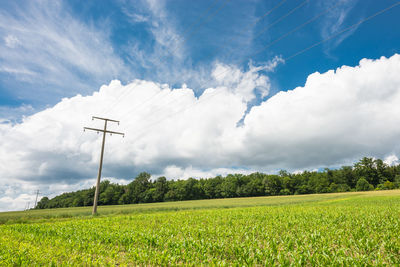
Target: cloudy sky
pixel 201 88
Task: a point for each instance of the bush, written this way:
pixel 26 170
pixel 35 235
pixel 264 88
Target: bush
pixel 363 185
pixel 388 185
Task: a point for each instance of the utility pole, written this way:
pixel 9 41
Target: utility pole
pixel 105 131
pixel 37 195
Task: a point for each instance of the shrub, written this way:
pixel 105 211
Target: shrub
pixel 363 185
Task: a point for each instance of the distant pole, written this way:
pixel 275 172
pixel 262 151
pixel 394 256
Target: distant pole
pixel 105 131
pixel 28 205
pixel 37 195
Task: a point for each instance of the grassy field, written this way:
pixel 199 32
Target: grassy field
pixel 361 228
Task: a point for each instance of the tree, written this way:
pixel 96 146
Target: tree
pixel 160 189
pixel 363 185
pixel 397 181
pixel 229 186
pixel 364 175
pixel 212 187
pixel 43 203
pixel 349 176
pixel 273 185
pixel 193 190
pixel 366 168
pixel 137 188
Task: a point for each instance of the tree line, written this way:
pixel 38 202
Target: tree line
pixel 367 174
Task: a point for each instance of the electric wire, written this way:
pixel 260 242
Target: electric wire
pixel 270 44
pixel 144 130
pixel 268 27
pixel 280 19
pixel 191 29
pixel 257 20
pixel 207 18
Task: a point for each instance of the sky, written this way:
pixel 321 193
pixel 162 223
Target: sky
pixel 201 88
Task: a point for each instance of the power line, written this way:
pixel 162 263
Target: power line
pixel 298 27
pixel 257 20
pixel 141 104
pixel 280 19
pixel 208 17
pixel 268 27
pixel 156 110
pixel 286 59
pixel 269 45
pixel 199 19
pixel 191 28
pixel 342 31
pixel 269 12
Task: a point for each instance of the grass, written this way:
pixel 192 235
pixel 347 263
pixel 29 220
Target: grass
pixel 34 215
pixel 361 228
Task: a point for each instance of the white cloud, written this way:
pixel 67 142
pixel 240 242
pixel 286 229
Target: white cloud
pixel 175 172
pixel 167 58
pixel 391 160
pixel 245 83
pixel 335 20
pixel 168 42
pixel 336 118
pixel 11 41
pixel 138 18
pixel 47 47
pixel 14 114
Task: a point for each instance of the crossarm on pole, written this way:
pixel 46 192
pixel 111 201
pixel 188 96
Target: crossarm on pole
pixel 103 131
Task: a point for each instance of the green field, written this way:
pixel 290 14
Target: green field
pixel 361 228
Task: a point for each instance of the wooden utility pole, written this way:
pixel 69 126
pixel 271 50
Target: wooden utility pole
pixel 105 131
pixel 37 195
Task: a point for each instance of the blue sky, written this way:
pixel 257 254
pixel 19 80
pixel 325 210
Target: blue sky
pixel 198 33
pixel 202 88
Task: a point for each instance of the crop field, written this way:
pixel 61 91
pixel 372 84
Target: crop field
pixel 355 229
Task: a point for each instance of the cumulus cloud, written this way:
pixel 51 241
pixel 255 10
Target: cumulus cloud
pixel 246 84
pixel 335 118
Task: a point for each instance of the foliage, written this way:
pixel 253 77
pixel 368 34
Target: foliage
pixel 363 185
pixel 365 175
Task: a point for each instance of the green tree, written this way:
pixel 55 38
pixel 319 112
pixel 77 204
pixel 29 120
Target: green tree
pixel 43 203
pixel 137 188
pixel 366 168
pixel 273 185
pixel 363 185
pixel 160 189
pixel 397 181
